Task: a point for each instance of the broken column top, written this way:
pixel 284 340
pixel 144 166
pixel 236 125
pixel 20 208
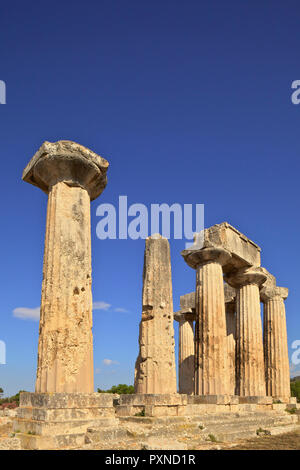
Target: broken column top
pixel 270 290
pixel 69 162
pixel 244 252
pixel 156 236
pixel 157 283
pixel 187 301
pixel 187 307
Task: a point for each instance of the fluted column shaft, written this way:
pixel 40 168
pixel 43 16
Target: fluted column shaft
pixel 211 356
pixel 230 309
pixel 186 356
pixel 250 372
pixel 211 362
pixel 65 351
pixel 250 375
pixel 276 348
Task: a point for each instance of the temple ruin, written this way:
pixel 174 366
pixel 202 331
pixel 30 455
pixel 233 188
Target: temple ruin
pixel 234 353
pixel 229 361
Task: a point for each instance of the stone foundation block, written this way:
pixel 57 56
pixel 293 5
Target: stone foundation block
pixel 66 400
pixel 153 399
pixel 213 399
pixel 152 405
pixel 284 399
pixel 204 408
pixel 258 400
pixel 57 420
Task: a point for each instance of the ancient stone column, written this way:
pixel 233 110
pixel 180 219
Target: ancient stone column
pixel 155 370
pixel 71 175
pixel 249 347
pixel 211 361
pixel 186 351
pixel 230 309
pixel 275 343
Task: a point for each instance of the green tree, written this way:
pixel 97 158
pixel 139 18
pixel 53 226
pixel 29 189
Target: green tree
pixel 1 392
pixel 120 389
pixel 295 389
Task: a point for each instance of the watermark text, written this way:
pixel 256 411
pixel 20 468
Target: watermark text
pixel 138 222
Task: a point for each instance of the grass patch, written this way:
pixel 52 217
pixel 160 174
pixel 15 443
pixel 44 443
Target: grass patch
pixel 292 411
pixel 264 432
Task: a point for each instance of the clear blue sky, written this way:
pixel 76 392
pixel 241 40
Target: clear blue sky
pixel 190 103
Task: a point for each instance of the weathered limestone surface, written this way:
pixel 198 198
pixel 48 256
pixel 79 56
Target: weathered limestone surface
pixel 71 175
pixel 275 342
pixel 152 405
pixel 243 250
pixel 230 309
pixel 186 352
pixel 187 305
pixel 211 361
pixel 250 375
pixel 188 301
pixel 56 420
pixel 155 366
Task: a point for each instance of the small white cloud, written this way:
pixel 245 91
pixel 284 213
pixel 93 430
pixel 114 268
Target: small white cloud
pixel 109 362
pixel 97 370
pixel 27 313
pixel 120 309
pixel 101 305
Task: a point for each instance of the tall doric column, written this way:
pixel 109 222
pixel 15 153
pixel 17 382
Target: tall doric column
pixel 211 360
pixel 71 175
pixel 155 370
pixel 230 309
pixel 186 351
pixel 275 343
pixel 250 375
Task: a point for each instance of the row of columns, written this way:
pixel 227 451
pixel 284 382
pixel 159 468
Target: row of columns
pixel 231 354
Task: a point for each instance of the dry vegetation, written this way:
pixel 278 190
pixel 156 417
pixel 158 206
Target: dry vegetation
pixel 289 441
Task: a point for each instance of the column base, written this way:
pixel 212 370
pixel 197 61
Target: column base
pixel 58 420
pixel 152 405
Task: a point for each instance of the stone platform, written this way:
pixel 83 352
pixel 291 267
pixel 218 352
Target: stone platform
pixel 160 405
pixel 58 420
pixel 207 428
pixel 73 420
pixel 165 404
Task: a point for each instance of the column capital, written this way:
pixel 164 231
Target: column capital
pixel 269 293
pixel 185 315
pixel 195 257
pixel 244 276
pixel 68 162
